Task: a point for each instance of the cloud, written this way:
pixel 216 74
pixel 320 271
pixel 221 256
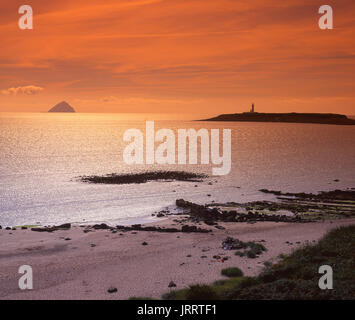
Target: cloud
pixel 29 90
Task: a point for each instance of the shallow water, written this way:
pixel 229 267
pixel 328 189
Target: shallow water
pixel 41 156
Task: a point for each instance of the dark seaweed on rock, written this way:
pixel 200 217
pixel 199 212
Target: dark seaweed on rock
pixel 65 226
pixel 184 228
pixel 203 213
pixel 323 195
pixel 145 177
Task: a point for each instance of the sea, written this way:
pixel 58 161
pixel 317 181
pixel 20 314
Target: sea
pixel 43 156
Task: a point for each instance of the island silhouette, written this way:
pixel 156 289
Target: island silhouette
pixel 292 117
pixel 62 107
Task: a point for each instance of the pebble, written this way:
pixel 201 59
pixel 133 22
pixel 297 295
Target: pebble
pixel 112 290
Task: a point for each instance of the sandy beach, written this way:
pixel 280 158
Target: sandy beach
pixel 72 264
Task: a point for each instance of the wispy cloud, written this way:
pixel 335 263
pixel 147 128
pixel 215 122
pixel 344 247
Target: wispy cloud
pixel 29 90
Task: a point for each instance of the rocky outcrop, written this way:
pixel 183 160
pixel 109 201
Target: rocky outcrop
pixel 208 215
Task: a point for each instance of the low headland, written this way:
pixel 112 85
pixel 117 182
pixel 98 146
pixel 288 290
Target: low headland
pixel 293 117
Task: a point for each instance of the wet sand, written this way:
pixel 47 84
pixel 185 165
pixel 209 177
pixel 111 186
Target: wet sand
pixel 85 266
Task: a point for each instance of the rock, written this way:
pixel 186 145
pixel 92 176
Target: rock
pixel 200 212
pixel 210 222
pixel 67 239
pixel 44 229
pixel 112 290
pixel 160 215
pixel 102 226
pixel 149 228
pixel 159 229
pixel 186 228
pixel 144 243
pixel 171 284
pixel 65 226
pixel 230 243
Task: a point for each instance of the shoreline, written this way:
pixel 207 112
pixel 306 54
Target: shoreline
pixel 72 264
pixel 292 207
pixel 181 245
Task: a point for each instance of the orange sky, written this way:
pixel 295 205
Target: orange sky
pixel 179 56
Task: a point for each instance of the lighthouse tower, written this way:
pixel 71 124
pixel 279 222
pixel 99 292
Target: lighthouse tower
pixel 252 108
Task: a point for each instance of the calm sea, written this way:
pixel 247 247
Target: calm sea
pixel 41 156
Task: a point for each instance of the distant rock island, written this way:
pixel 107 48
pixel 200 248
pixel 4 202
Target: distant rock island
pixel 293 117
pixel 62 107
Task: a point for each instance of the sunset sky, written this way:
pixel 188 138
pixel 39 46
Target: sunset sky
pixel 178 56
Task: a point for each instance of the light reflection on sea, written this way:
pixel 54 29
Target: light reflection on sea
pixel 41 155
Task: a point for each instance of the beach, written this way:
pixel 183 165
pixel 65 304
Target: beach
pixel 77 264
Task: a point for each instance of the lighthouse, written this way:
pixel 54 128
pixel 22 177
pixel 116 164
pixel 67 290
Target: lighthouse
pixel 252 108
